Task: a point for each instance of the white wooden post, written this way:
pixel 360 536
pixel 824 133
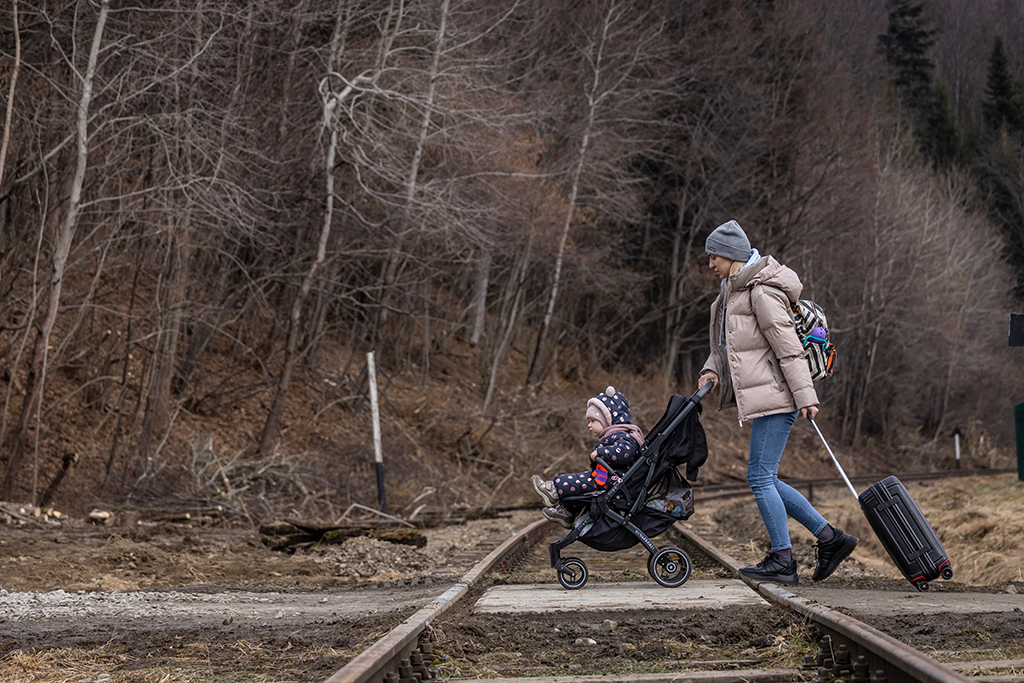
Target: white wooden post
pixel 956 441
pixel 371 371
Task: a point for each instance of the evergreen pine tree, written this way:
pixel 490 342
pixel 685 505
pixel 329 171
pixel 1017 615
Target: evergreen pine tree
pixel 938 134
pixel 905 46
pixel 999 170
pixel 1004 103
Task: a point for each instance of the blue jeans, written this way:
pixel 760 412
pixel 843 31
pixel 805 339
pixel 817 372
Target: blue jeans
pixel 777 500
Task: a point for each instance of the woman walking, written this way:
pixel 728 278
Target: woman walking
pixel 758 363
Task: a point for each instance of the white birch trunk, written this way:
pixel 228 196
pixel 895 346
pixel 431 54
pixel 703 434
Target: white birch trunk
pixel 295 318
pixel 396 258
pixel 62 247
pixel 592 103
pixel 332 102
pixel 10 93
pixel 480 297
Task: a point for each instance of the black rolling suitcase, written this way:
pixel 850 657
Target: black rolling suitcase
pixel 901 527
pixel 903 530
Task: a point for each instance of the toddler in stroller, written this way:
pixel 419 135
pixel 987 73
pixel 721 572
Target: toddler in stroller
pixel 609 419
pixel 634 505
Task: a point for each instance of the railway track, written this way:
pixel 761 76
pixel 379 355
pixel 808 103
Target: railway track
pixel 836 644
pixel 809 485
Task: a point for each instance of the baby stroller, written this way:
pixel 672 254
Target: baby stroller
pixel 643 502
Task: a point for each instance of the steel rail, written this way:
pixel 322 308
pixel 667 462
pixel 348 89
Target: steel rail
pixel 371 665
pixel 742 488
pixel 911 665
pixel 900 662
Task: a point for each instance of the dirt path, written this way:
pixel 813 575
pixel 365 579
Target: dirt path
pixel 170 602
pixel 160 601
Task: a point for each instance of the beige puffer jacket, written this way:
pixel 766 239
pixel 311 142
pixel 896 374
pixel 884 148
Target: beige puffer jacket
pixel 758 357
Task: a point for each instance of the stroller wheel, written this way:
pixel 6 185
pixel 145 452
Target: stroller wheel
pixel 573 573
pixel 670 566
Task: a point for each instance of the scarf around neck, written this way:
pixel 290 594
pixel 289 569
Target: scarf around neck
pixel 630 430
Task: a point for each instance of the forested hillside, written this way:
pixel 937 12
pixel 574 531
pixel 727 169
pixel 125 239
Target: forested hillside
pixel 210 212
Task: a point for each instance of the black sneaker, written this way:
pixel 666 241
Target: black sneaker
pixel 832 553
pixel 771 568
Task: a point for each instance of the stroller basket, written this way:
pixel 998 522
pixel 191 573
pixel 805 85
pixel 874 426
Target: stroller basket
pixel 648 498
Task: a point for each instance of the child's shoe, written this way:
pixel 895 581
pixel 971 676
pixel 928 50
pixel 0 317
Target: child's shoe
pixel 558 514
pixel 546 491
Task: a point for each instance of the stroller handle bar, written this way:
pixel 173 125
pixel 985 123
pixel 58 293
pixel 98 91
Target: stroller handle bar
pixel 703 391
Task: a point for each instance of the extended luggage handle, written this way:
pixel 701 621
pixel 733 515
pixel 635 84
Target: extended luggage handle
pixel 834 459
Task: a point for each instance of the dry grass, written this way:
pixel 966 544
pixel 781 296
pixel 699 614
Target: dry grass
pixel 192 663
pixel 979 520
pixel 981 523
pixel 60 665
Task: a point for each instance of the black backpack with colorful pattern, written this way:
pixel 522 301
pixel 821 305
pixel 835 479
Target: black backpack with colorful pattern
pixel 812 329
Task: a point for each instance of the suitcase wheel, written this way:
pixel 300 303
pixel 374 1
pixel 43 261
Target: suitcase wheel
pixel 947 573
pixel 921 585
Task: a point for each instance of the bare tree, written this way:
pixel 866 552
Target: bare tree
pixel 62 246
pixel 925 276
pixel 509 317
pixel 10 93
pixel 530 178
pixel 397 256
pixel 611 51
pixel 331 104
pixel 683 244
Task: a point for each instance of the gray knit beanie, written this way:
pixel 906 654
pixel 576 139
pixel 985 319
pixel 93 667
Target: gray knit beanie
pixel 728 241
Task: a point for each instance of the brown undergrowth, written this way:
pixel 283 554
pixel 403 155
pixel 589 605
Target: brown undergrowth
pixel 440 453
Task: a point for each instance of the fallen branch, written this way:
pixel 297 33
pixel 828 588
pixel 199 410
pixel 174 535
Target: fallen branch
pixel 372 511
pixel 290 533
